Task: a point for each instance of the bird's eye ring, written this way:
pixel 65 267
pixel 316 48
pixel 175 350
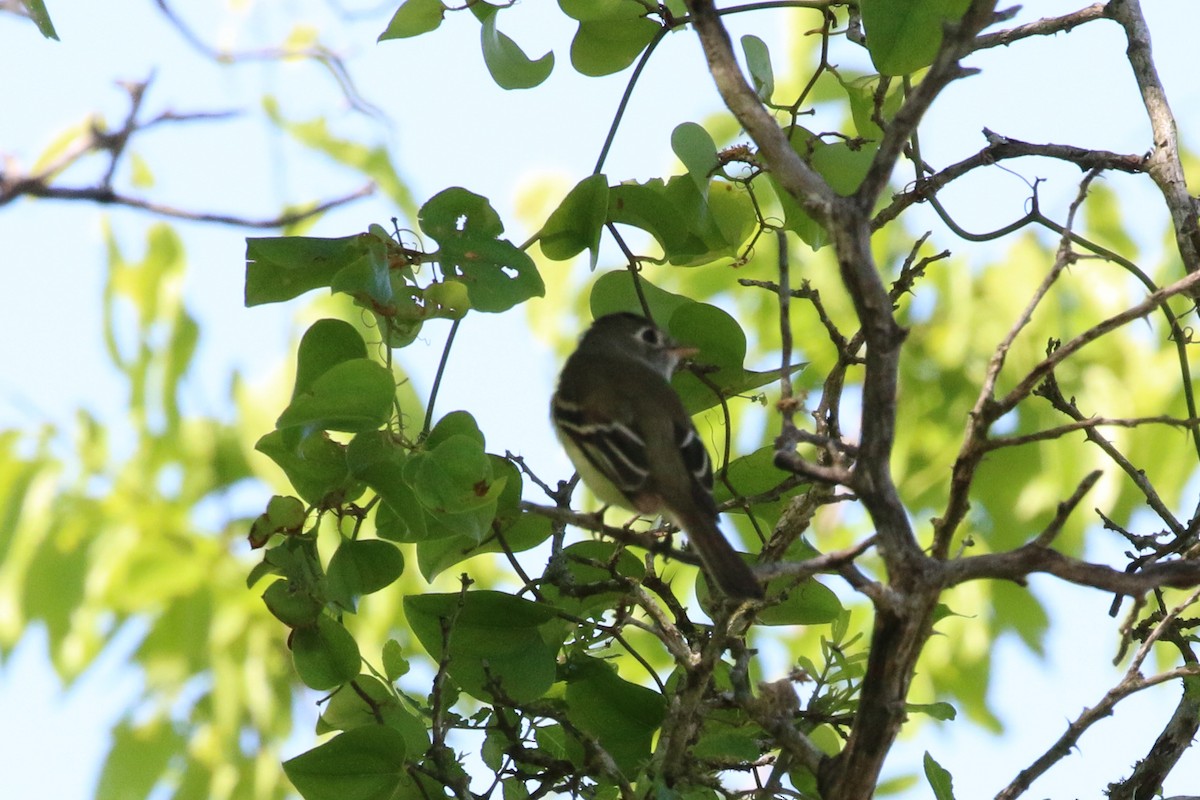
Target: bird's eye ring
pixel 651 336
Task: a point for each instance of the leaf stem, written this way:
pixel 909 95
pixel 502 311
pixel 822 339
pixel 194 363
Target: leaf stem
pixel 437 379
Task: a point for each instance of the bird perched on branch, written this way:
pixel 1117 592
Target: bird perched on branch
pixel 626 431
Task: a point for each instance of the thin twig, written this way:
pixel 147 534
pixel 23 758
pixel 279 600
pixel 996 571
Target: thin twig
pixel 1131 683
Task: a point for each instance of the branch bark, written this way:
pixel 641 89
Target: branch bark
pixel 1164 164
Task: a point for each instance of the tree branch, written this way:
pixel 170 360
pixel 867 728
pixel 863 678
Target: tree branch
pixel 1046 26
pixel 796 177
pixel 97 140
pixel 10 190
pixel 1163 164
pixel 1132 682
pixel 1002 148
pixel 1047 365
pixel 1028 559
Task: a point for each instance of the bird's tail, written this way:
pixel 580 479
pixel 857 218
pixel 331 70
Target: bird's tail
pixel 722 563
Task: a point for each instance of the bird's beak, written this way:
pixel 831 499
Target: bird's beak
pixel 684 352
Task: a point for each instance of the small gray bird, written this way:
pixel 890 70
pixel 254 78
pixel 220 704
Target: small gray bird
pixel 627 432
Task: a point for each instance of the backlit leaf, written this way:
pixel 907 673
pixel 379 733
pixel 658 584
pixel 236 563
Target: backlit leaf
pixel 366 763
pixel 413 18
pixel 492 637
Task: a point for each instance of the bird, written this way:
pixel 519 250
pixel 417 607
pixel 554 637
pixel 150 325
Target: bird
pixel 628 434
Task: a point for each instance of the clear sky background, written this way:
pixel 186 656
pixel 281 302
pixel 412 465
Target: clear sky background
pixel 1072 89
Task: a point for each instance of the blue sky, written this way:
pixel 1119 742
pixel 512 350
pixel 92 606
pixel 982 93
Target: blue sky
pixel 51 259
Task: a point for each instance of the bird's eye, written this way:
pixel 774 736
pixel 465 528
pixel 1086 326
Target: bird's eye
pixel 651 336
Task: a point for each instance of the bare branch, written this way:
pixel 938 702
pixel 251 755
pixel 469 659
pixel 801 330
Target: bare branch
pixel 1057 432
pixel 99 141
pixel 103 196
pixel 1164 164
pixel 1131 683
pixel 797 178
pixel 330 60
pixel 1176 737
pixel 1046 26
pixel 1051 531
pixel 1050 390
pixel 1047 365
pixel 1016 565
pixel 1001 148
pixel 826 562
pixel 957 41
pixel 986 410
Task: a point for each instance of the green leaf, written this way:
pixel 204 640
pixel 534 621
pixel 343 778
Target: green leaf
pixel 325 654
pixel 315 466
pixel 600 10
pixel 361 567
pixel 395 665
pixel 369 702
pixel 756 474
pixel 280 268
pixel 614 291
pixel 456 423
pixel 457 212
pixel 467 529
pixel 413 18
pixel 454 476
pixel 296 559
pixel 437 555
pixel 712 330
pixel 497 274
pixel 696 149
pixel 447 299
pixel 722 343
pixel 808 603
pixel 594 562
pixel 527 531
pixel 294 606
pixel 728 746
pixel 366 763
pixel 904 37
pixel 352 396
pixel 944 712
pixel 377 459
pixel 492 637
pixel 41 18
pixel 758 61
pixel 368 279
pixel 840 163
pixel 604 46
pixel 506 61
pixel 326 343
pixel 578 221
pixel 939 779
pixel 861 93
pixel 843 165
pixel 494 746
pixel 283 515
pixel 621 715
pixel 691 227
